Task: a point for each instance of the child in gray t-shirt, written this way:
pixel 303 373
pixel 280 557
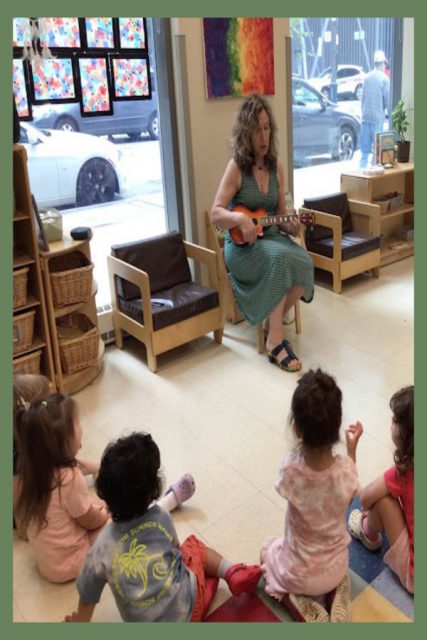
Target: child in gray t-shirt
pixel 151 576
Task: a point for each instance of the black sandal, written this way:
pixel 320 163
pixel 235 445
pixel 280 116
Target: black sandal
pixel 284 364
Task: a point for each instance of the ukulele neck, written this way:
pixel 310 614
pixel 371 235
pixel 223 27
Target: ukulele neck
pixel 281 219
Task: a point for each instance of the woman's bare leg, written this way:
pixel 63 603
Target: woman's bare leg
pixel 293 295
pixel 275 323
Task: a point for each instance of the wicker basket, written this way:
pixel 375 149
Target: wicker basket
pixel 78 342
pixel 20 279
pixel 71 278
pixel 27 364
pixel 23 331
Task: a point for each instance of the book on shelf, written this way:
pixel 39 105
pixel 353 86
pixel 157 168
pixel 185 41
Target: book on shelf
pixel 384 148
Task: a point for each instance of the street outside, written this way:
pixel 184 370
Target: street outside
pixel 140 212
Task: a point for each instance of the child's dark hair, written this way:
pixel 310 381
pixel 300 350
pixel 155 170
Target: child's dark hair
pixel 316 409
pixel 45 434
pixel 402 405
pixel 129 479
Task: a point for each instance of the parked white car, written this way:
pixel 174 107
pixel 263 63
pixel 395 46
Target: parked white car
pixel 68 168
pixel 350 78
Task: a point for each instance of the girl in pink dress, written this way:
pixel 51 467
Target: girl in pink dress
pixel 388 502
pixel 310 559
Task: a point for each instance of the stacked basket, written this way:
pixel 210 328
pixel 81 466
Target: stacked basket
pixel 20 278
pixel 29 363
pixel 70 278
pixel 78 338
pixel 23 331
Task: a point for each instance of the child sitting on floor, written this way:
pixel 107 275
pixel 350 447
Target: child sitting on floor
pixel 311 559
pixel 54 506
pixel 388 502
pixel 27 388
pixel 151 576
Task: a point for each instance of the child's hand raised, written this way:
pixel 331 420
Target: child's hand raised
pixel 352 435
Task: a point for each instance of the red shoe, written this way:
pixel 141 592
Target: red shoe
pixel 243 578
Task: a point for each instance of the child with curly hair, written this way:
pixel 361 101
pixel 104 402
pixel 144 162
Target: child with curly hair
pixel 152 577
pixel 310 561
pixel 388 502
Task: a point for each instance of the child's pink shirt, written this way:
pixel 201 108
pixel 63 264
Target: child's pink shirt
pixel 61 546
pixel 311 557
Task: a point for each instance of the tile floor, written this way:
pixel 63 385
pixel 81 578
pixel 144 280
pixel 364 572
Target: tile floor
pixel 221 413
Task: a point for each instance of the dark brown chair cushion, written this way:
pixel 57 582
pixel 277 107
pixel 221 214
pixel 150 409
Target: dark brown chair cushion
pixel 173 305
pixel 162 257
pixel 335 204
pixel 353 244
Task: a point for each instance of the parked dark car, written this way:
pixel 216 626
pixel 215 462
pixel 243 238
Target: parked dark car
pixel 320 127
pixel 132 117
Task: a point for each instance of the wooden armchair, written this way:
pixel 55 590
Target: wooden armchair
pixel 154 297
pixel 230 310
pixel 342 240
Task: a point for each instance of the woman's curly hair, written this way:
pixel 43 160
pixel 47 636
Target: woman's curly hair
pixel 402 406
pixel 245 123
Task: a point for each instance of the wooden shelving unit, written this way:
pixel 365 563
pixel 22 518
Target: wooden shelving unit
pixel 367 189
pixel 26 254
pixel 69 382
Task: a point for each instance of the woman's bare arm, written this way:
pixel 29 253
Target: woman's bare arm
pixel 220 215
pixel 293 227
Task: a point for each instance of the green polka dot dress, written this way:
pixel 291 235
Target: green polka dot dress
pixel 263 273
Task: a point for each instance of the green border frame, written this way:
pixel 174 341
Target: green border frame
pixel 191 8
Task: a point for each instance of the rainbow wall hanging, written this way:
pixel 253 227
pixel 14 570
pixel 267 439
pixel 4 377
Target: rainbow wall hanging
pixel 239 56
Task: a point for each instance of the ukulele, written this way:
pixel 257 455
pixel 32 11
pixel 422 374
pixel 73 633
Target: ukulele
pixel 261 219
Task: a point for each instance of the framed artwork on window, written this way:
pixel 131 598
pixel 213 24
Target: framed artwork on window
pixel 20 89
pixel 132 34
pixel 131 78
pixel 60 33
pixel 21 32
pixel 97 33
pixel 54 80
pixel 95 85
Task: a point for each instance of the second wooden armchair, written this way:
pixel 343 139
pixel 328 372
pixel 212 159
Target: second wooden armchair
pixel 342 241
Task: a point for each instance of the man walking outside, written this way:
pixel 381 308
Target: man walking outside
pixel 375 99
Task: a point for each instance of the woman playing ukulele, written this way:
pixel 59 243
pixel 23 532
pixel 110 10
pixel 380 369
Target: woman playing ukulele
pixel 271 273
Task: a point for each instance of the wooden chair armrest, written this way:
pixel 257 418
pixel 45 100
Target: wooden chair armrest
pixel 331 221
pixel 137 277
pixel 364 208
pixel 205 256
pixel 366 217
pixel 324 219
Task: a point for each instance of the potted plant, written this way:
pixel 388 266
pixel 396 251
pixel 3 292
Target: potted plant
pixel 400 122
